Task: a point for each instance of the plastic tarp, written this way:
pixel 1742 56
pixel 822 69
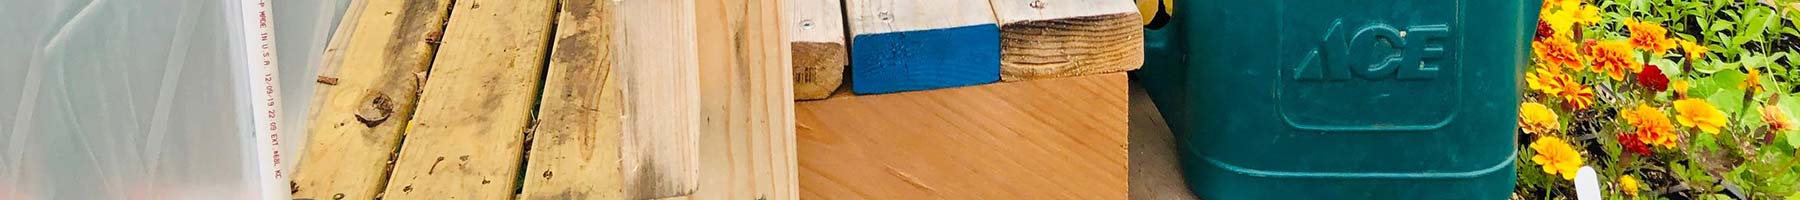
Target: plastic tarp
pixel 142 99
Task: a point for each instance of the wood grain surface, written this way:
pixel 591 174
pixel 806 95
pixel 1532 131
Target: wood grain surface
pixel 815 29
pixel 1062 38
pixel 358 119
pixel 659 59
pixel 468 138
pixel 1061 138
pixel 747 140
pixel 574 152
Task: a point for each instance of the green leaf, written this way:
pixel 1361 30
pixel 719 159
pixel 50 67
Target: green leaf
pixel 1705 141
pixel 1727 100
pixel 1721 25
pixel 1793 138
pixel 1719 81
pixel 1669 68
pixel 1716 197
pixel 1714 65
pixel 1759 21
pixel 1751 117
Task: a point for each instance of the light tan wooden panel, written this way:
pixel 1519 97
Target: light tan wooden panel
pixel 467 139
pixel 658 57
pixel 575 147
pixel 1062 138
pixel 367 91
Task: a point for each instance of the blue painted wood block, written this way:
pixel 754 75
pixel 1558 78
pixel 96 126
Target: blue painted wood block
pixel 925 59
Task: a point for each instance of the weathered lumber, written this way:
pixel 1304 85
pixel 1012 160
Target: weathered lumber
pixel 1063 38
pixel 358 115
pixel 1061 138
pixel 747 142
pixel 904 45
pixel 816 32
pixel 659 58
pixel 574 152
pixel 468 137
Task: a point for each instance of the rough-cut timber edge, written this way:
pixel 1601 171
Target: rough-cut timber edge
pixel 574 152
pixel 468 138
pixel 1074 46
pixel 359 121
pixel 818 69
pixel 925 59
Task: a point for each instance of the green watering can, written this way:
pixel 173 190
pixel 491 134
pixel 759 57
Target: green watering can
pixel 1342 99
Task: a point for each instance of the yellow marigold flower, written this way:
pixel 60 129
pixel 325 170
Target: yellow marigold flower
pixel 1555 156
pixel 1698 113
pixel 1695 51
pixel 1629 185
pixel 1679 86
pixel 1544 81
pixel 1583 14
pixel 1535 118
pixel 1614 58
pixel 1649 36
pixel 1777 119
pixel 1549 3
pixel 1557 53
pixel 1750 83
pixel 1653 126
pixel 1569 14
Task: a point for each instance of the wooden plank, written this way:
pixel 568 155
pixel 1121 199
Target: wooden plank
pixel 659 59
pixel 1059 138
pixel 361 114
pixel 816 32
pixel 747 142
pixel 904 45
pixel 575 148
pixel 467 139
pixel 1062 38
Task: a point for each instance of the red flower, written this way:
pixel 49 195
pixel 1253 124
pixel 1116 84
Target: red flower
pixel 1632 144
pixel 1543 30
pixel 1652 78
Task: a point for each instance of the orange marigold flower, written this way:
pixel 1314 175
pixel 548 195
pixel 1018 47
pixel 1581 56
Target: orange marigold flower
pixel 1556 156
pixel 1614 58
pixel 1653 126
pixel 1535 118
pixel 1750 83
pixel 1697 113
pixel 1557 53
pixel 1649 36
pixel 1574 94
pixel 1776 118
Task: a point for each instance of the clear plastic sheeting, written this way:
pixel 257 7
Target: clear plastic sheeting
pixel 141 99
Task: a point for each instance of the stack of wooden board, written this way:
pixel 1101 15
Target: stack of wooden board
pixel 549 99
pixel 899 45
